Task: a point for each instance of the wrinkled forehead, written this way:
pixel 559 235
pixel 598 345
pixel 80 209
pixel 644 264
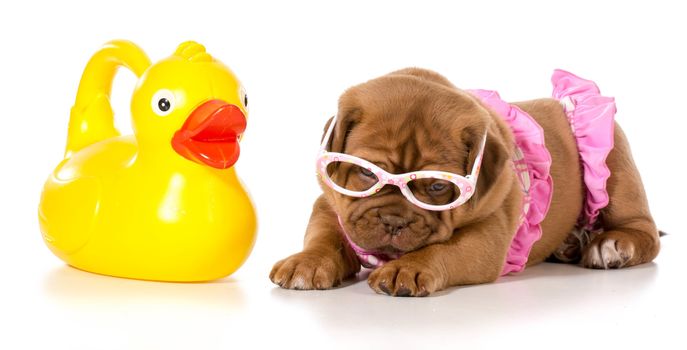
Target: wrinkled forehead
pixel 408 123
pixel 409 143
pixel 395 104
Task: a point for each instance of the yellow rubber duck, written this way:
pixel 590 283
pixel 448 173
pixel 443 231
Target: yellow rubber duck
pixel 162 204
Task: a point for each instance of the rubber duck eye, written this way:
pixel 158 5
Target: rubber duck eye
pixel 163 102
pixel 244 98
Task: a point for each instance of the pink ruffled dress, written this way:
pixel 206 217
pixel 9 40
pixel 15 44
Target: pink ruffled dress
pixel 591 117
pixel 531 162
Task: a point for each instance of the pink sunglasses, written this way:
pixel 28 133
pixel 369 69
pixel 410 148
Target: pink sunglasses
pixel 357 177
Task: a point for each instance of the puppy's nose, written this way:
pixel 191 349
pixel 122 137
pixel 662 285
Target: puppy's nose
pixel 393 224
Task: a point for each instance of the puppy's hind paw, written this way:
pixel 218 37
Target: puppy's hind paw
pixel 608 253
pixel 305 271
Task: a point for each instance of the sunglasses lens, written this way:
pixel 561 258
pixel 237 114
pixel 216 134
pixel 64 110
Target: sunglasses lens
pixel 351 176
pixel 434 191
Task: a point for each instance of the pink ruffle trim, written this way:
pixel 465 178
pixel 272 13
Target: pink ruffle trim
pixel 534 165
pixel 591 117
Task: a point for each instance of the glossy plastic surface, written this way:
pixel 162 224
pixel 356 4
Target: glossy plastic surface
pixel 136 206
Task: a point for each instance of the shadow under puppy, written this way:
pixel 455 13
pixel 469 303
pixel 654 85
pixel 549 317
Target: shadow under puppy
pixel 434 186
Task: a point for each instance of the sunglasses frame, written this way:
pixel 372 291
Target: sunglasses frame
pixel 466 184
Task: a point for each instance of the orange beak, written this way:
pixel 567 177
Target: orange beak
pixel 210 134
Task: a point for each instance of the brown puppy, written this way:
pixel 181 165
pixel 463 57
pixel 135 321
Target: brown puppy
pixel 415 119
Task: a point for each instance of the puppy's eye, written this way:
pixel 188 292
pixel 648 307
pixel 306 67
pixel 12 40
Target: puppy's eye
pixel 438 187
pixel 367 172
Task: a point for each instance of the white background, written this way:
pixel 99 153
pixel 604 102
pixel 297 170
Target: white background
pixel 295 58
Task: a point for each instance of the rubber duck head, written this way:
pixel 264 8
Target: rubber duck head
pixel 190 105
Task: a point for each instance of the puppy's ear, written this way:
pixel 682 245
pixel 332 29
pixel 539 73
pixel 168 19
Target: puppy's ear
pixel 494 160
pixel 344 124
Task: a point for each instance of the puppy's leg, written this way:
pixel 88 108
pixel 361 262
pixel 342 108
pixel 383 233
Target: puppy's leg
pixel 630 236
pixel 325 260
pixel 475 254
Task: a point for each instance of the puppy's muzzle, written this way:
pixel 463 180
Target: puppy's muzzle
pixel 393 224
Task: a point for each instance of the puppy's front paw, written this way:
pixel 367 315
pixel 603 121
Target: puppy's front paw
pixel 608 253
pixel 403 279
pixel 306 270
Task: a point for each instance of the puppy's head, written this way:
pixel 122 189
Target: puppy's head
pixel 407 121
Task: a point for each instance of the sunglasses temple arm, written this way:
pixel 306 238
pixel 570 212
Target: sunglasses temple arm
pixel 328 135
pixel 478 159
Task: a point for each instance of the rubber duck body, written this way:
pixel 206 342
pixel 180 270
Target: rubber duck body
pixel 162 204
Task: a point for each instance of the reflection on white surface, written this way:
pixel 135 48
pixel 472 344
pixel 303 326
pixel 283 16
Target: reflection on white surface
pixel 71 287
pixel 547 291
pixel 548 304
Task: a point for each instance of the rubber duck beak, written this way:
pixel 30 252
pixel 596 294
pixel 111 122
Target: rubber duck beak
pixel 210 134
